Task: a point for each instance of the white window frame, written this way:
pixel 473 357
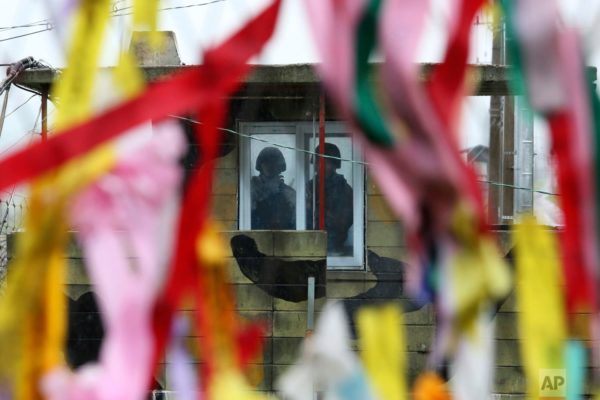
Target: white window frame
pixel 301 130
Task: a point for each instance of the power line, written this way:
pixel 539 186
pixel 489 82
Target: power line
pixel 7 149
pixel 29 25
pixel 41 22
pixel 26 34
pixel 29 134
pixel 345 159
pixel 21 105
pixel 519 188
pixel 115 13
pixel 273 143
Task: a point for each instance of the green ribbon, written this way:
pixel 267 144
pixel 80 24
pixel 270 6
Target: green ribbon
pixel 368 112
pixel 595 111
pixel 514 51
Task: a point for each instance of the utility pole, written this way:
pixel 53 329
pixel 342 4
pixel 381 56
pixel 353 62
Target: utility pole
pixel 501 162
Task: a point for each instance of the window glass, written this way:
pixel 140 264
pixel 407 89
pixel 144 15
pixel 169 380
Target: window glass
pixel 339 194
pixel 273 182
pixel 279 185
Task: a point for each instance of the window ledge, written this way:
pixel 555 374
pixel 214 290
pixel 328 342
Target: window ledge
pixel 349 275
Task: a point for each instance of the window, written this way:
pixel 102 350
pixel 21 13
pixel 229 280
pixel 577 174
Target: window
pixel 279 185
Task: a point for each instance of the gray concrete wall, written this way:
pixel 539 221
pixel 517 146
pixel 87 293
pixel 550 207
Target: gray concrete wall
pixel 286 320
pixel 380 280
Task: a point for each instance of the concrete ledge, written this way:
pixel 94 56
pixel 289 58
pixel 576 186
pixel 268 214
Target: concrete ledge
pixel 490 79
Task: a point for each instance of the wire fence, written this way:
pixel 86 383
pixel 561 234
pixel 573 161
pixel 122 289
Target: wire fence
pixel 12 212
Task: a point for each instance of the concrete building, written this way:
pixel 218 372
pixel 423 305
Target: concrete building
pixel 278 106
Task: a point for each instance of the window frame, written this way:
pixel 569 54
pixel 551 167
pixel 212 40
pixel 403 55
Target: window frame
pixel 301 130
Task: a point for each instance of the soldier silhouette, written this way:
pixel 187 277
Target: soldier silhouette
pixel 338 203
pixel 273 203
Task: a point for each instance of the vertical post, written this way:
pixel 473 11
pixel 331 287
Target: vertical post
pixel 495 166
pixel 321 161
pixel 525 156
pixel 310 307
pixel 310 316
pixel 44 113
pixel 3 113
pixel 508 163
pixel 313 219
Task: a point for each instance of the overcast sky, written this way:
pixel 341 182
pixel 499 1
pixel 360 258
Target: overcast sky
pixel 201 26
pixel 196 28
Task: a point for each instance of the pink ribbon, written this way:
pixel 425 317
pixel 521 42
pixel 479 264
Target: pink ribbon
pixel 118 221
pixel 428 157
pixel 538 34
pixel 421 169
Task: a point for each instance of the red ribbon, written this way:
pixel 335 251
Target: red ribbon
pixel 446 89
pixel 224 66
pixel 185 91
pixel 204 88
pixel 579 287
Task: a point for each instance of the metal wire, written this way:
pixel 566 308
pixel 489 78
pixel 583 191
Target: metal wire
pixel 116 12
pixel 345 159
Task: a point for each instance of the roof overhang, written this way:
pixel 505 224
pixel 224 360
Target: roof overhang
pixel 301 79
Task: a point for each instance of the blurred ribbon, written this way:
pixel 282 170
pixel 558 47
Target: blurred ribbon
pixel 472 369
pixel 576 362
pixel 558 88
pixel 410 142
pixel 429 386
pixel 548 59
pixel 192 272
pixel 327 363
pixel 181 373
pixel 221 74
pixel 145 17
pixel 76 84
pixel 230 384
pixel 43 246
pixel 540 301
pixel 383 350
pixel 32 313
pixel 117 220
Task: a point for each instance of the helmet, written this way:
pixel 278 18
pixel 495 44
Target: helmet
pixel 273 156
pixel 331 150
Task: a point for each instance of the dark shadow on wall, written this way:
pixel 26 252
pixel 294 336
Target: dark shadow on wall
pixel 193 156
pixel 389 286
pixel 280 278
pixel 286 280
pixel 86 332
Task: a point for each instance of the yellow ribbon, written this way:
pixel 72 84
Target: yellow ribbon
pixel 383 349
pixel 33 312
pixel 219 304
pixel 230 384
pixel 127 76
pixel 35 305
pixel 478 274
pixel 540 302
pixel 145 15
pixel 75 87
